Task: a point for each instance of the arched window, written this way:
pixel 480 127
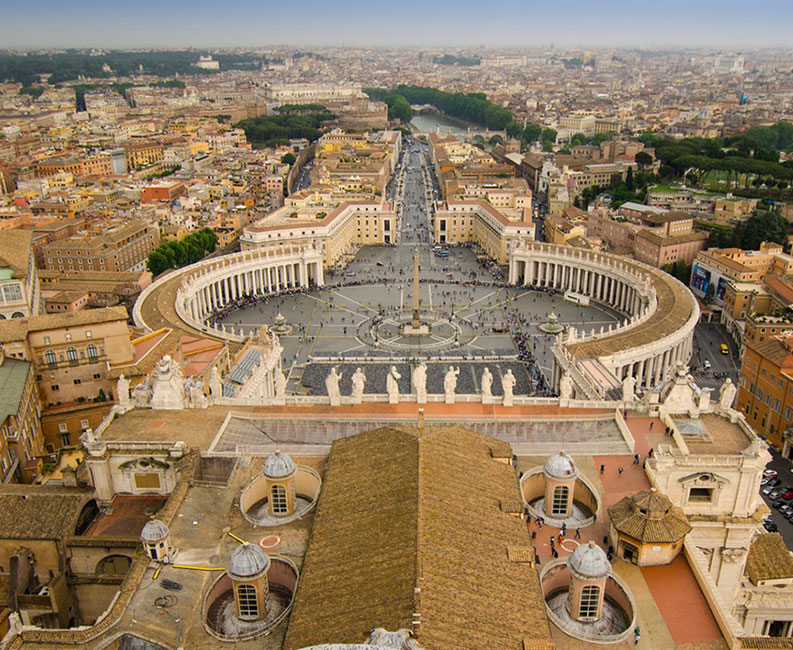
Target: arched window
pixel 71 353
pixel 589 603
pixel 278 495
pixel 91 351
pixel 50 356
pixel 249 605
pixel 560 498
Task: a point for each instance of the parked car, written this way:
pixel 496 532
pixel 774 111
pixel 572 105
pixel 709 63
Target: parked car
pixel 776 505
pixel 770 526
pixel 774 494
pixel 787 495
pixel 770 473
pixel 786 509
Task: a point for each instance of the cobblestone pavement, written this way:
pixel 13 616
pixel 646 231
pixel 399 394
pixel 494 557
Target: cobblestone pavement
pixel 361 318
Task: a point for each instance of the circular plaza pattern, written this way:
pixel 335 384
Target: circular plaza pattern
pixel 619 317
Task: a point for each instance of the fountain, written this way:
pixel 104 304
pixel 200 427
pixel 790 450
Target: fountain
pixel 280 326
pixel 552 326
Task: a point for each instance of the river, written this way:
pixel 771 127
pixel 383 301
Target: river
pixel 429 122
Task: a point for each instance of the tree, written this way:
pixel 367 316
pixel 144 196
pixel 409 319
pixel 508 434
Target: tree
pixel 547 145
pixel 578 139
pixel 531 133
pixel 288 159
pixel 629 179
pixel 643 159
pixel 548 134
pixel 710 293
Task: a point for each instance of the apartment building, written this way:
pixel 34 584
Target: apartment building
pixel 20 294
pixel 460 222
pixel 121 247
pixel 21 439
pixel 717 266
pixel 71 352
pixel 660 248
pixel 765 387
pixel 143 154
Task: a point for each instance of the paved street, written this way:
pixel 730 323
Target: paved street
pixel 708 338
pixel 783 467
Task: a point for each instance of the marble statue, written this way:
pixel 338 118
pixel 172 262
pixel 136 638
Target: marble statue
pixel 215 384
pixel 507 385
pixel 280 388
pixel 358 383
pixel 168 390
pixel 332 386
pixel 727 394
pixel 392 385
pixel 122 391
pixel 628 389
pixel 450 383
pixel 420 382
pixel 565 387
pixel 487 386
pixel 141 394
pixel 195 394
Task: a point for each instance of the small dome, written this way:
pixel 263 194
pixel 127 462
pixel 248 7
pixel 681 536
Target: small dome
pixel 589 561
pixel 154 531
pixel 279 465
pixel 561 466
pixel 248 561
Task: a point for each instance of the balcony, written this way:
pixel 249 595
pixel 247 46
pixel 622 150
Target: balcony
pixel 55 365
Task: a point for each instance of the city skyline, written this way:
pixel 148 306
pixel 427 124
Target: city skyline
pixel 572 23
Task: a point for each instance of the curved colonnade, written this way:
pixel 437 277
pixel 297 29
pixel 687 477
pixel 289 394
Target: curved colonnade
pixel 200 289
pixel 657 334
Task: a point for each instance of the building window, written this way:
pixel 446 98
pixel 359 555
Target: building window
pixel 68 336
pixel 62 427
pixel 55 388
pixel 91 351
pixel 249 604
pixel 77 382
pixel 88 334
pixel 83 424
pixel 65 439
pixel 788 413
pixel 46 340
pixel 560 498
pixel 776 405
pixel 50 356
pixel 588 605
pixel 278 495
pixel 700 495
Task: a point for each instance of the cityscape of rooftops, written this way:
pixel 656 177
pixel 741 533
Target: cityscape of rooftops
pixel 357 326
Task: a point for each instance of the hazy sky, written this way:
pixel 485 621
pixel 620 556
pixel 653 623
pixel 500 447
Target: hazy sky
pixel 526 23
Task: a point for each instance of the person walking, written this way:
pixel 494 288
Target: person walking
pixel 620 470
pixel 651 424
pixel 577 533
pixel 602 468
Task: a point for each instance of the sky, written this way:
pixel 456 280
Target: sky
pixel 726 24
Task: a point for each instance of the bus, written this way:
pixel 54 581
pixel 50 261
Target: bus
pixel 576 298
